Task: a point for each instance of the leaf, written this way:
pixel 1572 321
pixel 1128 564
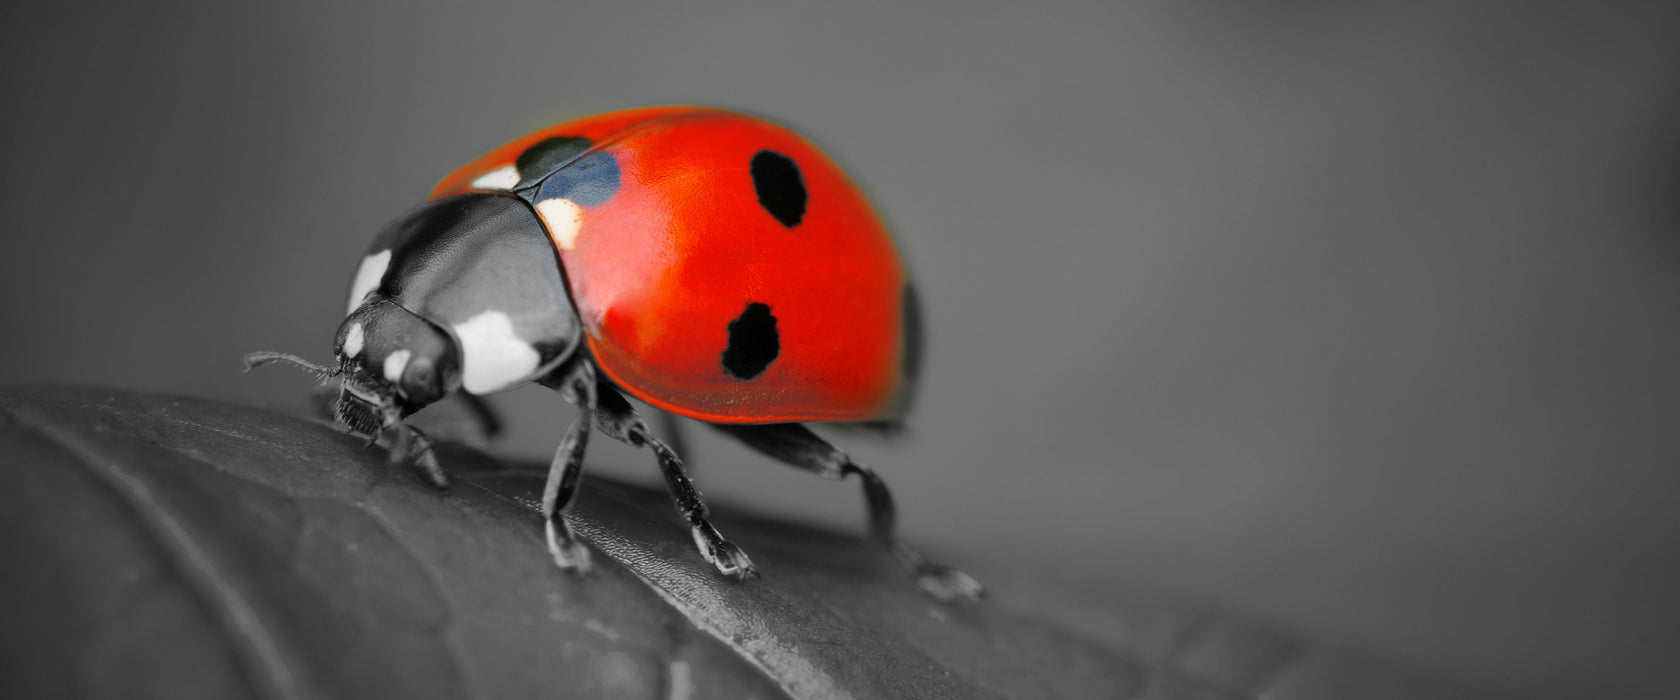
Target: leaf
pixel 179 548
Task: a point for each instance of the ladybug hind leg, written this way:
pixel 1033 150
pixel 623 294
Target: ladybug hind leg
pixel 794 444
pixel 618 419
pixel 672 428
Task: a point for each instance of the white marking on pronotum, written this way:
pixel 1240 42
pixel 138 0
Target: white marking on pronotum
pixel 564 219
pixel 503 178
pixel 353 339
pixel 493 357
pixel 395 363
pixel 368 277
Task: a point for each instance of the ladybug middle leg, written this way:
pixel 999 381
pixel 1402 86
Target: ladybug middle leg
pixel 483 417
pixel 796 445
pixel 618 419
pixel 576 384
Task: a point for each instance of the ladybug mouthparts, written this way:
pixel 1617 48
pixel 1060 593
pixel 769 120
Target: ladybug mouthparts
pixel 365 411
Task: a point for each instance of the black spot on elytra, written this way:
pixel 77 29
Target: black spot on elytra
pixel 546 156
pixel 781 190
pixel 753 342
pixel 589 180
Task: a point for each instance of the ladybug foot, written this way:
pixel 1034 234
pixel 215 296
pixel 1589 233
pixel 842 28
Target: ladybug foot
pixel 427 465
pixel 414 448
pixel 723 554
pixel 569 554
pixel 946 583
pixel 942 582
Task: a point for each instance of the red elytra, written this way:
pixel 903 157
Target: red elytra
pixel 660 269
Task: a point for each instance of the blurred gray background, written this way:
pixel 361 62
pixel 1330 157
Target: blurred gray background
pixel 1357 318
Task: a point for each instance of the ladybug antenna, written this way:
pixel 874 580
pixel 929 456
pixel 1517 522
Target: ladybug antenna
pixel 321 372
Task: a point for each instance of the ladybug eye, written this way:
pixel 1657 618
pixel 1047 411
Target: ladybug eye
pixel 420 381
pixel 419 372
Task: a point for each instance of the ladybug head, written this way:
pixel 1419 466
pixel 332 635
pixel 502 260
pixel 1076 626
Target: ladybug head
pixel 464 293
pixel 393 363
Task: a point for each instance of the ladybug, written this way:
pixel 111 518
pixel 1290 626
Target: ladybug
pixel 708 263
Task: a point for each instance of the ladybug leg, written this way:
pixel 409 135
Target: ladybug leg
pixel 796 445
pixel 410 445
pixel 483 416
pixel 576 386
pixel 618 419
pixel 672 428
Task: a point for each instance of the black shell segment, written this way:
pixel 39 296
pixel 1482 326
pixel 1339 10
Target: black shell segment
pixel 563 166
pixel 458 258
pixel 589 180
pixel 546 156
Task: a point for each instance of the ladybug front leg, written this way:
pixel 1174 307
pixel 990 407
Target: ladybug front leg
pixel 410 445
pixel 618 419
pixel 795 444
pixel 577 386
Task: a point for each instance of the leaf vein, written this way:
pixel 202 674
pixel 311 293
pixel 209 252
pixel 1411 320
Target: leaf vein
pixel 256 646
